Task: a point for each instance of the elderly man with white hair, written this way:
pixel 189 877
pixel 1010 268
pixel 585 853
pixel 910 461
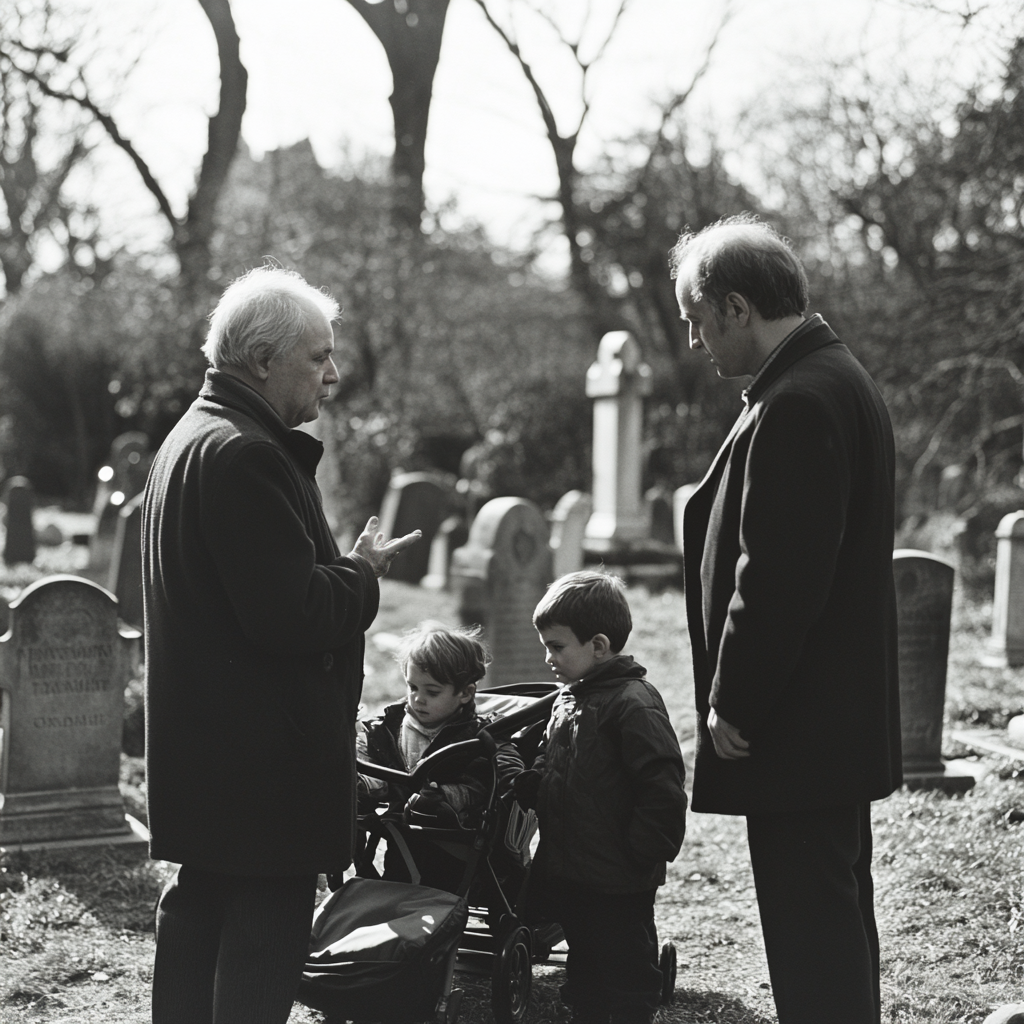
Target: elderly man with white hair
pixel 255 627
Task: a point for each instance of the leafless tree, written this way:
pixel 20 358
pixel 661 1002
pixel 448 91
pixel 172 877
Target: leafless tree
pixel 410 32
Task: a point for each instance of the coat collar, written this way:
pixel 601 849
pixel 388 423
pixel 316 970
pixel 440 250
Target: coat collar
pixel 227 390
pixel 811 335
pixel 617 670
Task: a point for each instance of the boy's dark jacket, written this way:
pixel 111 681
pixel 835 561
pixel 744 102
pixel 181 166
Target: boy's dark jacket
pixel 382 747
pixel 611 804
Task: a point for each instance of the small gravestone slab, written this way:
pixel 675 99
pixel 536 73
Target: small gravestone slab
pixel 126 563
pixel 130 459
pixel 450 536
pixel 1008 601
pixel 568 526
pixel 63 670
pixel 414 501
pixel 500 576
pixel 660 514
pixel 123 477
pixel 924 605
pixel 680 496
pixel 20 542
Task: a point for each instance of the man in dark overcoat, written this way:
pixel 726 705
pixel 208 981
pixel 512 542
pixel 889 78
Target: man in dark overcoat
pixel 787 547
pixel 254 661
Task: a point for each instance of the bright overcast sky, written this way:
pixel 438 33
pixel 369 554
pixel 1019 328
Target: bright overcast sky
pixel 316 71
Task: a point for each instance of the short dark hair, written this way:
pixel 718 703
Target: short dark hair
pixel 453 655
pixel 742 254
pixel 588 603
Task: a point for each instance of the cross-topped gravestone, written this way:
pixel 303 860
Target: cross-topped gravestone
pixel 63 670
pixel 924 605
pixel 568 525
pixel 126 563
pixel 414 501
pixel 500 576
pixel 20 541
pixel 618 382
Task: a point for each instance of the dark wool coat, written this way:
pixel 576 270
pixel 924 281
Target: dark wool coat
pixel 787 547
pixel 254 646
pixel 611 804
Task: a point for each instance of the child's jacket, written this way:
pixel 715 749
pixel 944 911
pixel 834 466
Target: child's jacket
pixel 465 790
pixel 611 803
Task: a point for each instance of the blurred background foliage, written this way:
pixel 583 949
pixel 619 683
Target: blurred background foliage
pixel 906 208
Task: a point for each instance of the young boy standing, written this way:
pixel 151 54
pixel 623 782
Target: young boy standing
pixel 609 794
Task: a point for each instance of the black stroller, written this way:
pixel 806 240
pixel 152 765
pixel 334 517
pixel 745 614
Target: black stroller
pixel 387 951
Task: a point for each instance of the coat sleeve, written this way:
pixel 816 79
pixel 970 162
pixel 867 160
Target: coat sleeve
pixel 654 765
pixel 285 601
pixel 795 495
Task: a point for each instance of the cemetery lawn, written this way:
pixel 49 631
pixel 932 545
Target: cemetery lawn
pixel 76 940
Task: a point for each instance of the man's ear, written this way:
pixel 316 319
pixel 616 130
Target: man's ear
pixel 467 694
pixel 602 646
pixel 260 366
pixel 738 306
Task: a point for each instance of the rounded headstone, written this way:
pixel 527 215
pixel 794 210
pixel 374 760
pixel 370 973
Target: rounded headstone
pixel 414 501
pixel 1012 1013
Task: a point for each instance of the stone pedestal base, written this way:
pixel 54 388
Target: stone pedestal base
pixel 64 816
pixel 949 778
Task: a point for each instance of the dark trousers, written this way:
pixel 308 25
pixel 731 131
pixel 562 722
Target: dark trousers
pixel 230 949
pixel 812 872
pixel 612 966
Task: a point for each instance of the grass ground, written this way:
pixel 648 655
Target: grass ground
pixel 76 940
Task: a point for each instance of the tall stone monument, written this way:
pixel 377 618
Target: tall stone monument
pixel 500 576
pixel 924 605
pixel 1008 603
pixel 63 670
pixel 19 500
pixel 618 382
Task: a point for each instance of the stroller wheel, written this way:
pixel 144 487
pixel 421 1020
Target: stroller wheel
pixel 512 976
pixel 667 964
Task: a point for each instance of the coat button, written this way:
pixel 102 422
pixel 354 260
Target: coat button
pixel 328 662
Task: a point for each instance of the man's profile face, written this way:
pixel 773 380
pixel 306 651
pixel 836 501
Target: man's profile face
pixel 714 332
pixel 301 378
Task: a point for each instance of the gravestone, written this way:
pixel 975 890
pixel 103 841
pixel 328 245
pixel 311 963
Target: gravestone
pixel 618 382
pixel 126 563
pixel 1008 603
pixel 123 477
pixel 661 516
pixel 19 500
pixel 451 534
pixel 680 496
pixel 63 670
pixel 414 501
pixel 924 605
pixel 500 576
pixel 568 526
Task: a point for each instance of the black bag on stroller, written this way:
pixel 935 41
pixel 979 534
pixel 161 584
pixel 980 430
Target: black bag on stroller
pixel 383 951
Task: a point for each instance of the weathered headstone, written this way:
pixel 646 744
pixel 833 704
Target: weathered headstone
pixel 500 576
pixel 680 496
pixel 63 670
pixel 1008 604
pixel 123 477
pixel 451 534
pixel 126 563
pixel 618 382
pixel 924 605
pixel 19 500
pixel 568 526
pixel 414 501
pixel 660 515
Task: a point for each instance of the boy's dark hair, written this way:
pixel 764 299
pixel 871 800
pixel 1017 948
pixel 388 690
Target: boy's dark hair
pixel 588 603
pixel 453 655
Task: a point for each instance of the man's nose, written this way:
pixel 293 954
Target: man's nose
pixel 331 375
pixel 694 340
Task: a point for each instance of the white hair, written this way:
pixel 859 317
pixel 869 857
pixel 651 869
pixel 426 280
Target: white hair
pixel 262 314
